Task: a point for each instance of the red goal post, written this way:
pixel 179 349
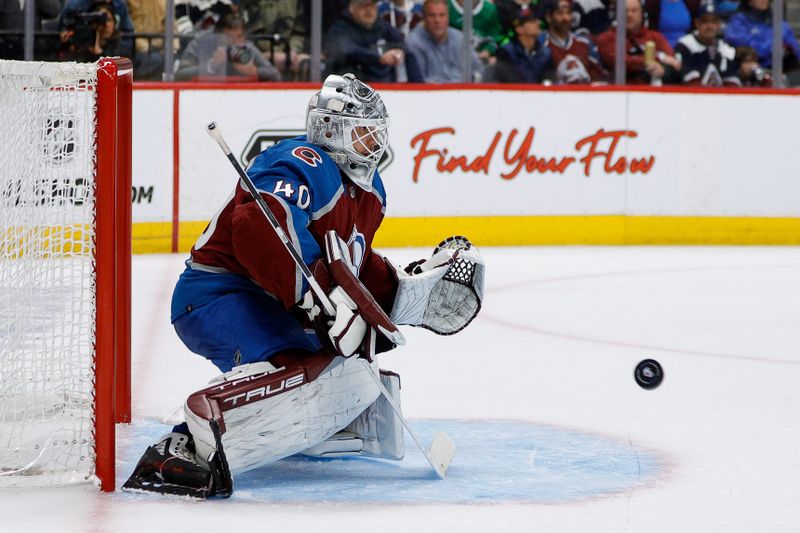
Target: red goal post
pixel 113 259
pixel 65 270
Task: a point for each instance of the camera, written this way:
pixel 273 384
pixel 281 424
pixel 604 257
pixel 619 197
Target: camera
pixel 85 19
pixel 84 25
pixel 92 18
pixel 240 54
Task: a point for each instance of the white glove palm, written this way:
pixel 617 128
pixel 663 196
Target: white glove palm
pixel 416 282
pixel 443 293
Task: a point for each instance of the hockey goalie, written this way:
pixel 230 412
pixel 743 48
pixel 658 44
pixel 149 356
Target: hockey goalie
pixel 298 373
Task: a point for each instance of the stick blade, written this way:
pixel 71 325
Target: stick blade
pixel 441 453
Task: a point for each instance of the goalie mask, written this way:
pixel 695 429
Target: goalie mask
pixel 348 119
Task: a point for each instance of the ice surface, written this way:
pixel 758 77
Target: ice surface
pixel 538 393
pixel 499 461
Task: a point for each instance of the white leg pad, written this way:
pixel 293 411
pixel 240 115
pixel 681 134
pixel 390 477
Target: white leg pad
pixel 376 432
pixel 264 423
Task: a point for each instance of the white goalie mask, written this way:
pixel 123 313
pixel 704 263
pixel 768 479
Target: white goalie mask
pixel 348 119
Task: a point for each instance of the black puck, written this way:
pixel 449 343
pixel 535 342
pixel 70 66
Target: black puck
pixel 649 374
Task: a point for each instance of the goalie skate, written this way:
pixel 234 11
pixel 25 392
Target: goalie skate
pixel 171 467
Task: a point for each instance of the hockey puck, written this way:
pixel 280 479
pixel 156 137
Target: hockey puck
pixel 648 374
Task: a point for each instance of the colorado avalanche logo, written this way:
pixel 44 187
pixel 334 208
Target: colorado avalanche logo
pixel 307 155
pixel 572 70
pixel 358 245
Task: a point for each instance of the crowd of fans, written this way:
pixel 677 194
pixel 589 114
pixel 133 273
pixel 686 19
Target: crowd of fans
pixel 689 42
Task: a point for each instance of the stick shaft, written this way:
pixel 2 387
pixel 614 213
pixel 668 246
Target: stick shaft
pixel 215 134
pixel 396 408
pixel 442 460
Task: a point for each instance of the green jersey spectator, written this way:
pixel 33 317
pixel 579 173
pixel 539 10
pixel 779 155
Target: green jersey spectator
pixel 487 32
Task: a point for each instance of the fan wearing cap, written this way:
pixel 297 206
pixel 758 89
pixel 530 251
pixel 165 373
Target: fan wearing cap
pixel 365 44
pixel 525 58
pixel 639 70
pixel 707 60
pixel 574 55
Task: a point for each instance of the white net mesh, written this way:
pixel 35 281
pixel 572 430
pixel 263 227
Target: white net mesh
pixel 47 304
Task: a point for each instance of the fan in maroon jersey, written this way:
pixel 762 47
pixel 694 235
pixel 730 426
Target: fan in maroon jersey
pixel 574 54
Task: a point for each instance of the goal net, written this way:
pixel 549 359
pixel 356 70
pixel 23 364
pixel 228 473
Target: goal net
pixel 62 227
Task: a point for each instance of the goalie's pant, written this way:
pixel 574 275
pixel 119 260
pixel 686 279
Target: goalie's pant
pixel 243 327
pixel 265 413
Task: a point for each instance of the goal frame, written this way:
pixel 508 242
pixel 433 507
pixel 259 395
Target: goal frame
pixel 113 214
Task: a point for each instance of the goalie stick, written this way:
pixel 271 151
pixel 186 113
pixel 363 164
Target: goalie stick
pixel 262 204
pixel 442 449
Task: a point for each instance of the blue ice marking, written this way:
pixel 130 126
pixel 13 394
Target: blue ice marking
pixel 496 461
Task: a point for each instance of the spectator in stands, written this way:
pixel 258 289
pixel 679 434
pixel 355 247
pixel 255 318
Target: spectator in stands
pixel 752 26
pixel 671 18
pixel 575 58
pixel 401 14
pixel 592 16
pixel 507 11
pixel 640 69
pixel 70 15
pixel 524 59
pixel 193 17
pixel 286 19
pixel 149 16
pixel 94 34
pixel 726 8
pixel 750 72
pixel 439 49
pixel 331 12
pixel 225 53
pixel 487 33
pixel 365 45
pixel 12 18
pixel 705 58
